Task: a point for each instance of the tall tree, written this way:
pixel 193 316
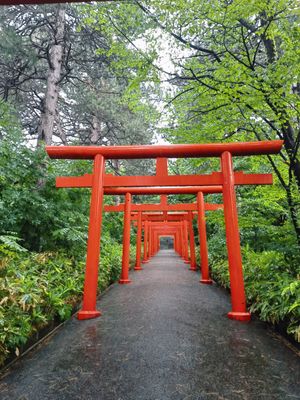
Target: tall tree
pixel 60 75
pixel 56 50
pixel 240 79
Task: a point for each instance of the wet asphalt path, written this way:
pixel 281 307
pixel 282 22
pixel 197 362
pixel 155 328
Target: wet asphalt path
pixel 163 337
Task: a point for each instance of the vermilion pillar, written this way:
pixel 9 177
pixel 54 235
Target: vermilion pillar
pixel 238 298
pixel 156 239
pixel 146 238
pixel 192 241
pixel 182 240
pixel 176 242
pixel 138 243
pixel 150 241
pixel 156 243
pixel 205 278
pixel 186 242
pixel 126 241
pixel 93 246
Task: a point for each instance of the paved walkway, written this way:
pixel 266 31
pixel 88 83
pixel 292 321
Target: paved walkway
pixel 163 337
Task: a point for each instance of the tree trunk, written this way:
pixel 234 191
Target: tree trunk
pixel 95 131
pixel 291 147
pixel 45 130
pixel 293 213
pixel 60 130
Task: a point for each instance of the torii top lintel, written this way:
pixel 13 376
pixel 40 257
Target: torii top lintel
pixel 173 150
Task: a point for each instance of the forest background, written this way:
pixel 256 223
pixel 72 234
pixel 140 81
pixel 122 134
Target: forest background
pixel 140 73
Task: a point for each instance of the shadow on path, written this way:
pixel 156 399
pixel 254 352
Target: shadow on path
pixel 164 336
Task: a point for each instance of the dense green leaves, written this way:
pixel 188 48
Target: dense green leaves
pixel 273 293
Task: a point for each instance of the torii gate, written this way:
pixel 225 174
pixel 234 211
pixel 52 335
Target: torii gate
pixel 151 244
pixel 148 218
pixel 102 183
pixel 188 229
pixel 165 229
pixel 97 182
pixel 156 228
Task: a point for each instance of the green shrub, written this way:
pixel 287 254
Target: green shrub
pixel 273 293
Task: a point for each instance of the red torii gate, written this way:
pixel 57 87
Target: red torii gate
pixel 163 228
pixel 175 231
pixel 165 207
pixel 102 183
pixel 127 208
pixel 180 244
pixel 139 217
pixel 186 232
pixel 156 228
pixel 166 235
pixel 167 219
pixel 150 245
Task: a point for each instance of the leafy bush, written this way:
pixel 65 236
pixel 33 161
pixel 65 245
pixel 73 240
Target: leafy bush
pixel 272 291
pixel 43 217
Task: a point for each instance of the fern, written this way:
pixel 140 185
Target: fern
pixel 11 243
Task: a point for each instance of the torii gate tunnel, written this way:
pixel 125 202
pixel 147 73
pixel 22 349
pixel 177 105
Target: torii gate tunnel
pixel 181 233
pixel 162 183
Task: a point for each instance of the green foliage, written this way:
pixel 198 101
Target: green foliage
pixel 43 217
pixel 10 243
pixel 243 74
pixel 8 119
pixel 124 26
pixel 272 292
